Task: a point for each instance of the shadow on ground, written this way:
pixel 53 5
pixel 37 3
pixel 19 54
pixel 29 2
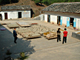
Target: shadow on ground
pixel 7 43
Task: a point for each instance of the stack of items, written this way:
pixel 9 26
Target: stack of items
pixel 50 34
pixel 27 33
pixel 13 25
pixel 34 23
pixel 34 31
pixel 23 24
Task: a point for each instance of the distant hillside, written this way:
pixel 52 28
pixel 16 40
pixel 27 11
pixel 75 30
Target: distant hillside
pixel 48 2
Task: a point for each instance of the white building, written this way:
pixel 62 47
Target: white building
pixel 66 14
pixel 14 12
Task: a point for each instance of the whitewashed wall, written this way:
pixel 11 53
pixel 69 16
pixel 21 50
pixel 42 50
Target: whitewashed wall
pixel 78 23
pixel 2 13
pixel 64 20
pixel 53 18
pixel 26 14
pixel 41 17
pixel 14 14
pixel 46 16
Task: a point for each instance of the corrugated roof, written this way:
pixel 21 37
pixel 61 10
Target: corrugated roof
pixel 15 7
pixel 64 7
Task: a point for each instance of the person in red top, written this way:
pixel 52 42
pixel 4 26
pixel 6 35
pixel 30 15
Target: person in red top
pixel 64 36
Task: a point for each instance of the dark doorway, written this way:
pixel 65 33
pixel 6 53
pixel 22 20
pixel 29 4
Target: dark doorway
pixel 32 13
pixel 0 17
pixel 19 14
pixel 71 21
pixel 58 19
pixel 6 16
pixel 48 18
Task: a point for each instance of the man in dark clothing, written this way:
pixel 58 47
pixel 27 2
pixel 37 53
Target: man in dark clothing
pixel 64 36
pixel 15 35
pixel 58 35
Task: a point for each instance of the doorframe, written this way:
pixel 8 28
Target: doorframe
pixel 19 14
pixel 1 16
pixel 58 19
pixel 68 21
pixel 74 22
pixel 48 19
pixel 6 15
pixel 61 18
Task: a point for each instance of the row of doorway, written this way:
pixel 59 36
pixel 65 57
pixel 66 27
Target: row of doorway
pixel 71 22
pixel 59 21
pixel 6 15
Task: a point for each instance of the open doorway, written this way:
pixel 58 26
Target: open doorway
pixel 58 20
pixel 6 16
pixel 48 18
pixel 0 17
pixel 19 15
pixel 71 22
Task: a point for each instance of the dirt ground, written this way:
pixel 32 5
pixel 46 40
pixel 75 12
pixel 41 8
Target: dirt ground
pixel 39 48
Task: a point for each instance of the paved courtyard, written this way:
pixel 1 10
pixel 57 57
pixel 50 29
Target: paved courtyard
pixel 39 48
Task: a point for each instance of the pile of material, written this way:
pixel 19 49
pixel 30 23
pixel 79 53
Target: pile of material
pixel 61 30
pixel 23 24
pixel 13 25
pixel 27 33
pixel 50 35
pixel 33 31
pixel 34 23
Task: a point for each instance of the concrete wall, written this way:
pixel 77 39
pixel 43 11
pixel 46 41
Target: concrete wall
pixel 26 14
pixel 37 17
pixel 64 20
pixel 41 17
pixel 78 23
pixel 46 16
pixel 53 19
pixel 14 14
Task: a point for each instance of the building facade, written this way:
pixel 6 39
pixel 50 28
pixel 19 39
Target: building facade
pixel 14 12
pixel 66 14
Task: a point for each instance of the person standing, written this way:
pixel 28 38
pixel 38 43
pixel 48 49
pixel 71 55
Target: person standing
pixel 58 35
pixel 65 36
pixel 15 35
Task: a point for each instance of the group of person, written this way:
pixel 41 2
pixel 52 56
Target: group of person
pixel 58 35
pixel 64 35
